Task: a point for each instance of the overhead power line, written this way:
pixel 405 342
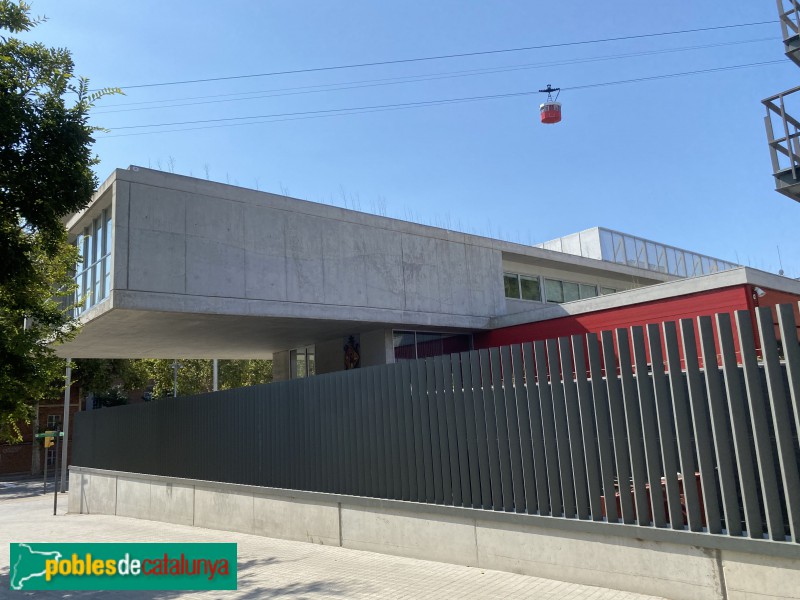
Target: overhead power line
pixel 446 56
pixel 292 116
pixel 386 81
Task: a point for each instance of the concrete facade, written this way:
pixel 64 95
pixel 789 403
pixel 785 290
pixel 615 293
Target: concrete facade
pixel 676 564
pixel 206 270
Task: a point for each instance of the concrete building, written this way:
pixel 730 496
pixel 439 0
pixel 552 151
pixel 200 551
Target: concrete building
pixel 177 266
pixel 182 267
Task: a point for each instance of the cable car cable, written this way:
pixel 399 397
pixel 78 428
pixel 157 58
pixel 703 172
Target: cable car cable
pixel 387 107
pixel 444 56
pixel 343 86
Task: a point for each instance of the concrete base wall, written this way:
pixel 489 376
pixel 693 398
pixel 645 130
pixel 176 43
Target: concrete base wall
pixel 672 564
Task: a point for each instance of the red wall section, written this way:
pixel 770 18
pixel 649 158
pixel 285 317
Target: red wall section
pixel 773 297
pixel 725 300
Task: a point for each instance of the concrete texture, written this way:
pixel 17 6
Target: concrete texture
pixel 641 560
pixel 133 498
pixel 313 522
pixel 230 511
pixel 171 503
pixel 275 568
pixel 644 567
pixel 397 532
pixel 196 250
pixel 750 576
pixel 98 494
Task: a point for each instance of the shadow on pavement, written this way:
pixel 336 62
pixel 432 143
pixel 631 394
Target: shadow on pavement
pixel 23 488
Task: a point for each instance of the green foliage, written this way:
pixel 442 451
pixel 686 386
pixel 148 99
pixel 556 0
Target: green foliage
pixel 103 376
pixel 99 376
pixel 196 376
pixel 45 174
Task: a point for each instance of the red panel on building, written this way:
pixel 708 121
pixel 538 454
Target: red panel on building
pixel 725 300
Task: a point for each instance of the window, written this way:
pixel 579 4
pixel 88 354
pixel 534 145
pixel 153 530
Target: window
pixel 409 345
pixel 607 290
pixel 554 290
pixel 525 287
pixel 572 291
pixel 672 262
pixel 641 254
pixel 511 283
pixel 630 250
pixel 302 363
pixel 652 256
pixel 530 287
pixel 51 457
pixel 661 251
pixel 93 275
pixel 52 422
pixel 681 269
pixel 567 291
pixel 619 248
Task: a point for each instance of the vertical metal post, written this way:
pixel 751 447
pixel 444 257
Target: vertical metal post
pixel 215 367
pixel 55 472
pixel 65 447
pixel 175 366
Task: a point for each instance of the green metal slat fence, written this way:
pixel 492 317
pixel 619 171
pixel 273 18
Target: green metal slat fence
pixel 617 427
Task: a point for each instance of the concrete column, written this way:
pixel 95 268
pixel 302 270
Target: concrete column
pixel 65 429
pixel 215 366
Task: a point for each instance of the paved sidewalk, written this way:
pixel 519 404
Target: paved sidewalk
pixel 270 568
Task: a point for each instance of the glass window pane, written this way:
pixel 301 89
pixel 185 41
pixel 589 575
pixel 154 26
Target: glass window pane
pixel 606 246
pixel 681 263
pixel 697 265
pixel 572 292
pixel 98 282
pixel 641 254
pixel 652 256
pixel 88 248
pixel 630 250
pixel 511 283
pixel 98 240
pixel 553 290
pixel 311 363
pixel 672 262
pixel 606 290
pixel 619 248
pixel 404 346
pixel 661 251
pixel 530 288
pixel 429 344
pixel 588 291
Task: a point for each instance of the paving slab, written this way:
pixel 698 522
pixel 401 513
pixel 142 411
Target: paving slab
pixel 271 568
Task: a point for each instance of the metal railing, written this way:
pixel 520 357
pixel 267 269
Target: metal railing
pixel 785 147
pixel 789 13
pixel 604 428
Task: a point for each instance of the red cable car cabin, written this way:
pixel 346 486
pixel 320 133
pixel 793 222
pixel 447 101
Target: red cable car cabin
pixel 550 112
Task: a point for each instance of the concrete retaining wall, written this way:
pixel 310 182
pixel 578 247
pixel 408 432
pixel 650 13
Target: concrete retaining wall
pixel 673 564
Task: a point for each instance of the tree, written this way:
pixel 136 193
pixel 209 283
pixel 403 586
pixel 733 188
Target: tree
pixel 45 174
pixel 195 376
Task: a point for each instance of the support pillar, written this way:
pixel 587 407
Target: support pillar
pixel 215 367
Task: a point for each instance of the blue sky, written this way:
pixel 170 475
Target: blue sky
pixel 683 161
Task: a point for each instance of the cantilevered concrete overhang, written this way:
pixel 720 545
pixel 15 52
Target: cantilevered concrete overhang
pixel 206 270
pixel 120 327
